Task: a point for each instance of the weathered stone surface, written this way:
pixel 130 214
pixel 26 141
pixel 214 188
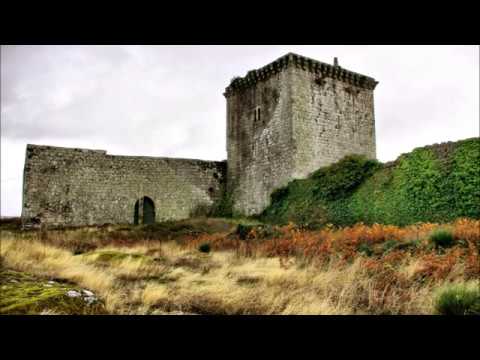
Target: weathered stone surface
pixel 65 186
pixel 311 115
pixel 284 121
pixel 260 149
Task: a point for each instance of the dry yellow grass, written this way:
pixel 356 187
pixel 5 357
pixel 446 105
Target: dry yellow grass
pixel 162 278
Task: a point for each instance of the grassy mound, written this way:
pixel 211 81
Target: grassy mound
pixel 437 183
pixel 26 294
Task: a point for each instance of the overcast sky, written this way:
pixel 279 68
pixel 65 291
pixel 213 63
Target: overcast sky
pixel 167 100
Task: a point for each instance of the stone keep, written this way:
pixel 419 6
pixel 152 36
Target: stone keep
pixel 284 121
pixel 290 118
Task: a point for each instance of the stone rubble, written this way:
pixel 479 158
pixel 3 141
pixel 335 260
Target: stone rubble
pixel 73 293
pixel 88 296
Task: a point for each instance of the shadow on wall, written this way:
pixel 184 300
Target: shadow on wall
pixel 201 210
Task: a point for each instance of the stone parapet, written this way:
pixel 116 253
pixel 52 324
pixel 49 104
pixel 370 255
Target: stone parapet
pixel 323 70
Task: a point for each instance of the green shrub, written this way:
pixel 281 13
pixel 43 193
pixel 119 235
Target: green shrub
pixel 459 299
pixel 390 245
pixel 365 249
pixel 224 209
pixel 442 238
pixel 205 248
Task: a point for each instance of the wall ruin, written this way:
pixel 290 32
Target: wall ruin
pixel 64 186
pixel 284 121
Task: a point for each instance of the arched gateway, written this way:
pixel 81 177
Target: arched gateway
pixel 144 212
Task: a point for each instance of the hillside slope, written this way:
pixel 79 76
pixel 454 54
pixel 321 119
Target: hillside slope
pixel 436 183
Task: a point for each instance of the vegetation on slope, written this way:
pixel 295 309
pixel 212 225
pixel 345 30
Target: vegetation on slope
pixel 438 183
pixel 379 269
pixel 409 265
pixel 459 299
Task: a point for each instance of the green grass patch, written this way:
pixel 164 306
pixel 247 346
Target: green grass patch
pixel 442 238
pixel 390 245
pixel 459 299
pixel 22 293
pixel 365 249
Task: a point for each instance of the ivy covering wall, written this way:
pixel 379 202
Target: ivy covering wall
pixel 436 183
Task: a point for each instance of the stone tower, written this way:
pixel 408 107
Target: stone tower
pixel 290 118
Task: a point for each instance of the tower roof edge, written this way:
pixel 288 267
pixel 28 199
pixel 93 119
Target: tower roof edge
pixel 306 63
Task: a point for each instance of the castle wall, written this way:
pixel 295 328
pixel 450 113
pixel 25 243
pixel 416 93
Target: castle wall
pixel 284 121
pixel 259 151
pixel 64 186
pixel 331 119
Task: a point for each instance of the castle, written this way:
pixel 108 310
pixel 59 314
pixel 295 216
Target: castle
pixel 284 121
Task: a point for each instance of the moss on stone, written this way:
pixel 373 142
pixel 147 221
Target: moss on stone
pixel 23 293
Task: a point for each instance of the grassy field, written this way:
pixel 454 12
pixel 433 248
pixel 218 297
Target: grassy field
pixel 219 266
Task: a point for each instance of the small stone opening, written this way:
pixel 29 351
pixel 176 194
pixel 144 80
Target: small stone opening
pixel 257 114
pixel 144 211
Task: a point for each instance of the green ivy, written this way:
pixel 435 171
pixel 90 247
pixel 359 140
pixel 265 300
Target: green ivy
pixel 435 184
pixel 224 207
pixel 465 179
pixel 306 201
pixel 340 179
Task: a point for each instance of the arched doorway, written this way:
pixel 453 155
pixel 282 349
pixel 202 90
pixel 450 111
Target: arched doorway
pixel 144 212
pixel 148 211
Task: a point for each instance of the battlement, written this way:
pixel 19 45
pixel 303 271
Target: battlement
pixel 323 70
